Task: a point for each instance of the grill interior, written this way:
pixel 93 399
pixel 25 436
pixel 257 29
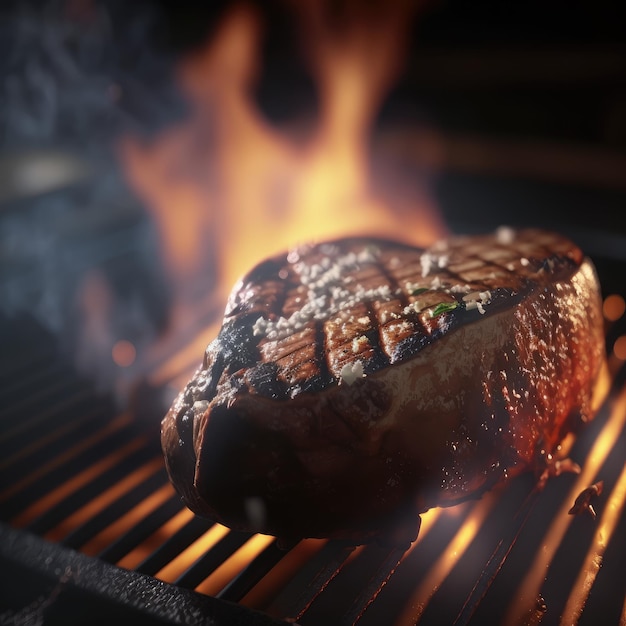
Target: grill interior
pixel 91 526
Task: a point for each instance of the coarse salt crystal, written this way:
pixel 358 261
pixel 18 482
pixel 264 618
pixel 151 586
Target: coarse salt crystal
pixel 351 371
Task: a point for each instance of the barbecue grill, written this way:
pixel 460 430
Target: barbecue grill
pixel 91 531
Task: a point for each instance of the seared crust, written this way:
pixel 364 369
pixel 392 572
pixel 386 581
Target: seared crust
pixel 357 381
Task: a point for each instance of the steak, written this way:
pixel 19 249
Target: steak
pixel 356 383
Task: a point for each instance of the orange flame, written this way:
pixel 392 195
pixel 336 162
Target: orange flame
pixel 226 188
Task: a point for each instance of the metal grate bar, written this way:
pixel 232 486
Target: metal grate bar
pixel 606 603
pixel 171 548
pixel 39 472
pixel 77 427
pixel 257 569
pixel 89 492
pixel 50 370
pixel 545 537
pixel 81 534
pixel 142 530
pixel 112 512
pixel 37 398
pixel 588 542
pixel 32 425
pixel 53 585
pixel 33 492
pixel 333 556
pixel 496 560
pixel 370 592
pixel 212 559
pixel 101 484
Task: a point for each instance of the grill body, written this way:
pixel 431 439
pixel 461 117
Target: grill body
pixel 91 531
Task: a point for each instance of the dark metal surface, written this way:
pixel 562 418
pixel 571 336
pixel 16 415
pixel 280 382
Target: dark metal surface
pixel 43 583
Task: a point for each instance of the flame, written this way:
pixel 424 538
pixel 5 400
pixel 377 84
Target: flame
pixel 619 348
pixel 226 188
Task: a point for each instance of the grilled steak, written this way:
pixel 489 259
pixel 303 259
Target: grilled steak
pixel 356 383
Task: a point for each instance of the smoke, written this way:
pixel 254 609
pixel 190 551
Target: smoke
pixel 75 75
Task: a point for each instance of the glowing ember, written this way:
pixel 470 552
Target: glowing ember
pixel 124 353
pixel 613 307
pixel 619 348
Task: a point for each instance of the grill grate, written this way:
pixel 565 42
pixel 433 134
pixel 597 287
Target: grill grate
pixel 88 482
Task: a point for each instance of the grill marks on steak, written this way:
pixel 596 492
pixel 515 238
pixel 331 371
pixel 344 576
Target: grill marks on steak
pixel 293 323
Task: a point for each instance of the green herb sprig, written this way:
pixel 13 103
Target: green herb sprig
pixel 444 307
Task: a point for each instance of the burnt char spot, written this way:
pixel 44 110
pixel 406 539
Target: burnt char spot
pixel 409 346
pixel 265 381
pixel 324 377
pixel 377 361
pixel 238 345
pixel 315 383
pixel 507 297
pixel 439 326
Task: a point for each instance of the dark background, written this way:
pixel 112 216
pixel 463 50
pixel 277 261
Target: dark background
pixel 547 79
